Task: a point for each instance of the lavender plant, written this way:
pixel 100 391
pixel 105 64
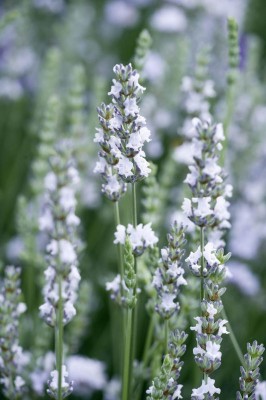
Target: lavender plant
pixel 62 276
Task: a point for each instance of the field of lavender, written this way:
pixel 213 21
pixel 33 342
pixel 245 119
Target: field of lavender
pixel 132 199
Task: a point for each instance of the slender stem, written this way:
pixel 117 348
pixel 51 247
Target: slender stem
pixel 234 340
pixel 59 338
pixel 166 331
pixel 202 294
pixel 127 358
pixel 134 204
pixel 230 97
pixel 135 309
pixel 145 357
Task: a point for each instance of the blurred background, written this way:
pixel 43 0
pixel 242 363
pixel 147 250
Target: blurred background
pixel 69 48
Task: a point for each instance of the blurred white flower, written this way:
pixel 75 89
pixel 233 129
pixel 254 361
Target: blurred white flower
pixel 121 13
pixel 169 19
pixel 244 278
pixel 87 373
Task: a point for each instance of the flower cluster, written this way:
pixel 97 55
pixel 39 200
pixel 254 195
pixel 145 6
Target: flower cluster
pixel 12 359
pixel 209 328
pixel 208 207
pixel 59 222
pixel 206 388
pixel 140 237
pixel 166 384
pixel 250 373
pixel 122 134
pixel 67 387
pixel 169 277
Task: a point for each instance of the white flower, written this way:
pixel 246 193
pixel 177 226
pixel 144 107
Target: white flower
pixel 53 384
pixel 204 208
pixel 46 222
pixel 212 169
pixel 208 89
pixel 213 350
pixel 145 134
pixel 206 388
pixel 141 236
pixel 69 311
pixel 177 393
pixel 219 133
pixel 114 285
pixel 142 164
pixel 193 259
pixel 198 326
pixel 157 279
pixel 169 19
pixel 19 382
pixel 260 391
pixel 67 253
pixel 112 186
pixel 67 198
pixel 211 310
pixel 120 234
pixel 131 107
pixel 116 121
pixel 134 81
pixel 72 220
pixel 187 208
pixel 21 308
pixel 99 136
pixel 221 211
pixel 124 167
pixel 135 141
pixel 192 178
pixel 168 301
pixel 148 235
pixel 222 329
pixel 46 309
pixel 50 182
pixel 209 255
pixel 115 89
pixel 87 373
pixel 100 167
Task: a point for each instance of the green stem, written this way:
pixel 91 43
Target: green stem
pixel 202 294
pixel 134 204
pixel 166 331
pixel 59 339
pixel 145 357
pixel 234 340
pixel 127 358
pixel 135 310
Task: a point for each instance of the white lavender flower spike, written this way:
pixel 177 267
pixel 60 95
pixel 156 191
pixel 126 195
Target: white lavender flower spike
pixel 122 134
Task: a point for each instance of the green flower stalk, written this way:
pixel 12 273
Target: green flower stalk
pixel 144 43
pixel 250 373
pixel 166 386
pixel 232 77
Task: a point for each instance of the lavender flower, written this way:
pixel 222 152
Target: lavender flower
pixel 60 222
pixel 208 206
pixel 140 237
pixel 169 277
pixel 122 134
